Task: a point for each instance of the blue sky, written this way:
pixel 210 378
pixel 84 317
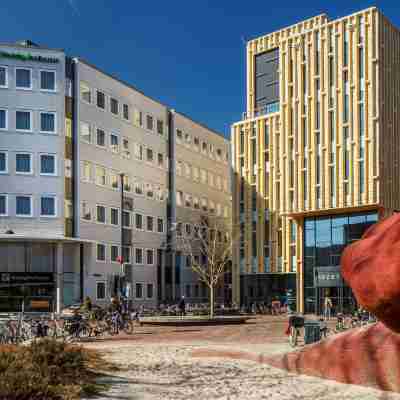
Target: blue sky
pixel 187 54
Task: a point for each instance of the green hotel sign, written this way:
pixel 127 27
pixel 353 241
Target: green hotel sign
pixel 29 57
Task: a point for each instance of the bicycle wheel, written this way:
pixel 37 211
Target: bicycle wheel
pixel 293 336
pixel 128 327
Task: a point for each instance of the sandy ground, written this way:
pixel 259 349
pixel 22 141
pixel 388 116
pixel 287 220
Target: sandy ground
pixel 205 366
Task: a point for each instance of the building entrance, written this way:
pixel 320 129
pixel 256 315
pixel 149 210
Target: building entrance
pixel 325 238
pixel 329 283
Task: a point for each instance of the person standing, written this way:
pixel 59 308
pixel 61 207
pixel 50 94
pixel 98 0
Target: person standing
pixel 328 307
pixel 182 306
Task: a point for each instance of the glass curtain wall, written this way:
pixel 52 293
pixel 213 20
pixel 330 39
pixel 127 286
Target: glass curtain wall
pixel 324 241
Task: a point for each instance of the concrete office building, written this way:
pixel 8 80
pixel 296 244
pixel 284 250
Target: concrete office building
pixel 316 156
pixel 202 190
pixel 67 132
pixel 37 259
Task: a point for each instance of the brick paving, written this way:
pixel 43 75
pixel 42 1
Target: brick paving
pixel 221 362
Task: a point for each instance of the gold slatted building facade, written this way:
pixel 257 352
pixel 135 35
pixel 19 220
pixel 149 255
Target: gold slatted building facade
pixel 330 146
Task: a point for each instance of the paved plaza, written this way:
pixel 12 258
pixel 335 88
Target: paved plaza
pixel 222 362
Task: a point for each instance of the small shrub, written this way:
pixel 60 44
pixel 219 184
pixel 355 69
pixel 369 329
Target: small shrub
pixel 45 370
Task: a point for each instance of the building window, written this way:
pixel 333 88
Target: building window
pixel 126 254
pixel 139 221
pixel 160 160
pixel 188 200
pixel 149 155
pixel 139 291
pixel 101 176
pixel 150 223
pixel 138 256
pixel 48 81
pixel 3 119
pixel 188 171
pixel 100 99
pixel 23 121
pixel 3 205
pixel 160 225
pixel 179 229
pixel 179 198
pixel 126 219
pixel 3 162
pixel 188 291
pixel 179 168
pixel 100 290
pixel 150 290
pixel 125 111
pixel 114 143
pixel 160 127
pixel 48 206
pixel 23 206
pixel 125 148
pixel 149 190
pixel 179 135
pixel 47 122
pixel 149 122
pixel 114 180
pixel 101 214
pixel 114 106
pixel 101 252
pixel 23 163
pixel 114 216
pixel 86 212
pixel 204 204
pixel 3 77
pixel 137 117
pixel 23 78
pixel 100 137
pixel 86 135
pixel 48 164
pixel 149 256
pixel 114 253
pixel 138 148
pixel 86 94
pixel 188 230
pixel 139 188
pixel 86 171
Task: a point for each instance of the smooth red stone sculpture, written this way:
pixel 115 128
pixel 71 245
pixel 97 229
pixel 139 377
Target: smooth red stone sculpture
pixel 371 267
pixel 366 356
pixel 369 355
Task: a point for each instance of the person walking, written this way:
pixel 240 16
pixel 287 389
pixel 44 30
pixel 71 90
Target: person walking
pixel 182 306
pixel 328 307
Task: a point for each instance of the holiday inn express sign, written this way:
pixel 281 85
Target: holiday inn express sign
pixel 29 57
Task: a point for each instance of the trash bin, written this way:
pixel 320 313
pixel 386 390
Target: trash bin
pixel 312 332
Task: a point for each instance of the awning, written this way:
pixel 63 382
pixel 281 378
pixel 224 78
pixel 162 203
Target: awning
pixel 25 237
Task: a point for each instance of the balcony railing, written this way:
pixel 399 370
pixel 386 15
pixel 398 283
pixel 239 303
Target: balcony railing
pixel 264 110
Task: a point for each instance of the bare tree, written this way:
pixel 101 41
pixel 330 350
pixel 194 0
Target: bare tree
pixel 210 252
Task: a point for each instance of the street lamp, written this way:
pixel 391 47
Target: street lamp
pixel 121 260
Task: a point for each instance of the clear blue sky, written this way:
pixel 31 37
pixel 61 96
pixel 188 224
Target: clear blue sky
pixel 187 54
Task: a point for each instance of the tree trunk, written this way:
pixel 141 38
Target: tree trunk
pixel 211 301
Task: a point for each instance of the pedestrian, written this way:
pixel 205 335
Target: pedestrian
pixel 182 306
pixel 327 307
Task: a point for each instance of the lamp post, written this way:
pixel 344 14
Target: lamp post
pixel 122 175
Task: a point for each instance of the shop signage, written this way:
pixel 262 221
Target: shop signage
pixel 328 277
pixel 40 304
pixel 29 57
pixel 25 277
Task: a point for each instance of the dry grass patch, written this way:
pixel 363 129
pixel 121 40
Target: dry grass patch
pixel 49 370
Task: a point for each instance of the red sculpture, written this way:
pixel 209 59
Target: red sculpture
pixel 371 267
pixel 369 355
